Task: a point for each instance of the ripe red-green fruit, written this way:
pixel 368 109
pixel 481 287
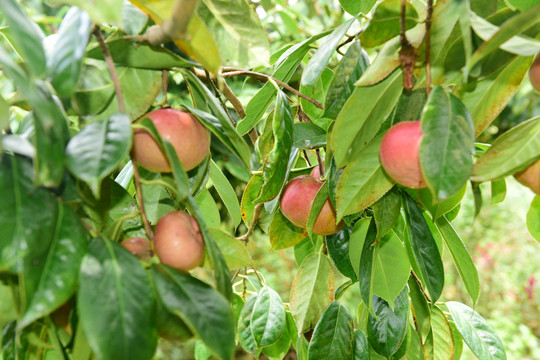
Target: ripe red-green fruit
pixel 400 155
pixel 178 241
pixel 316 172
pixel 296 202
pixel 138 246
pixel 534 73
pixel 189 137
pixel 530 177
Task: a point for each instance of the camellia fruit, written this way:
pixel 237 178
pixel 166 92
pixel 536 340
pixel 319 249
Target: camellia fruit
pixel 400 154
pixel 138 246
pixel 188 136
pixel 178 241
pixel 296 202
pixel 316 172
pixel 530 177
pixel 534 73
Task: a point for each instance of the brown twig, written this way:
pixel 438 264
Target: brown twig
pixel 349 39
pixel 428 46
pixel 321 163
pixel 165 86
pixel 254 221
pixel 420 285
pixel 263 77
pixel 138 187
pixel 110 65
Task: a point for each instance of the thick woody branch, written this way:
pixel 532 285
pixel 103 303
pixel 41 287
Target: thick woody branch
pixel 174 28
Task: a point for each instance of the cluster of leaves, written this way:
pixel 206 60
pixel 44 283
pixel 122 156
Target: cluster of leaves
pixel 70 195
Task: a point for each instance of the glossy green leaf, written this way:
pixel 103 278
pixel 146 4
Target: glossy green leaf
pixel 233 250
pixel 251 192
pixel 447 144
pixel 307 135
pixel 268 317
pixel 157 200
pixel 320 59
pixel 27 214
pixel 101 11
pixel 367 264
pixel 134 20
pixel 356 243
pixel 487 97
pixel 352 66
pixel 285 67
pixel 113 283
pixel 243 33
pixel 513 26
pixel 136 101
pixel 498 191
pixel 209 209
pixel 386 211
pixel 205 310
pixel 317 92
pixel 476 332
pixel 390 267
pixel 98 149
pixel 281 347
pixel 458 340
pixel 512 151
pixel 519 45
pixel 361 346
pixel 169 325
pixel 306 247
pixel 443 340
pixel 312 290
pixel 386 327
pixel 533 218
pixel 125 53
pixel 25 35
pixel 223 128
pixel 353 7
pixel 424 248
pixel 522 4
pixel 316 206
pixel 226 192
pixel 283 233
pixel 55 278
pixel 387 59
pixel 245 336
pixel 421 309
pixel 276 163
pixel 49 120
pixel 221 271
pixel 362 182
pixel 439 208
pixel 338 248
pixel 334 336
pixel 65 55
pixel 462 259
pixel 386 22
pixel 353 129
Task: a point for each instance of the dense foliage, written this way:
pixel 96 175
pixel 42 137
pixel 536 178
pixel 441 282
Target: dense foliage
pixel 298 97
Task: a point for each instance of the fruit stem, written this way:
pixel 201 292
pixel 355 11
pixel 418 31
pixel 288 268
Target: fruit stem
pixel 165 86
pixel 138 187
pixel 110 65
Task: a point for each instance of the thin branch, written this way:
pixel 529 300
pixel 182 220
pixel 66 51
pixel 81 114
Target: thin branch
pixel 165 86
pixel 254 221
pixel 321 163
pixel 138 187
pixel 229 95
pixel 349 39
pixel 306 157
pixel 263 77
pixel 407 53
pixel 110 66
pixel 428 46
